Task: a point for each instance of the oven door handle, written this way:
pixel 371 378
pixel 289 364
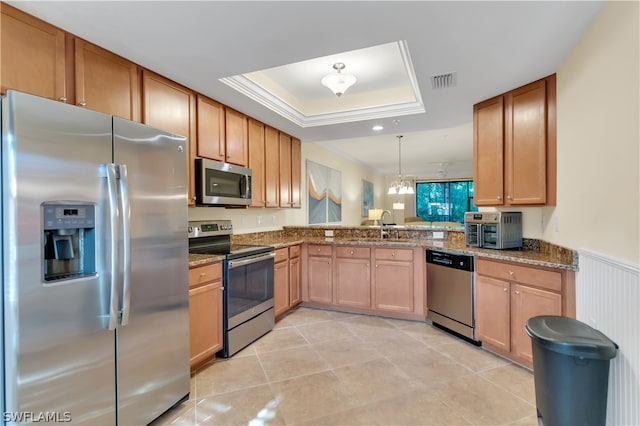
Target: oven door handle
pixel 248 261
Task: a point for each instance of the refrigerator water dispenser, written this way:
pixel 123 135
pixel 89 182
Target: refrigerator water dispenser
pixel 69 240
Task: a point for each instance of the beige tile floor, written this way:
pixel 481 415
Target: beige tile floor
pixel 329 368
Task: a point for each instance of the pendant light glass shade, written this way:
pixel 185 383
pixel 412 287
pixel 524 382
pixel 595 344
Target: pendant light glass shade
pixel 338 83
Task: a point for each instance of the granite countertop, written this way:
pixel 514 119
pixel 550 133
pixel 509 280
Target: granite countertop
pixel 538 254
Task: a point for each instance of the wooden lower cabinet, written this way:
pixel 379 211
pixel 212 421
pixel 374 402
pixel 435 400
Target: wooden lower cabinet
pixel 281 282
pixel 507 295
pixel 366 279
pixel 295 278
pixel 352 279
pixel 205 312
pixel 320 274
pixel 286 276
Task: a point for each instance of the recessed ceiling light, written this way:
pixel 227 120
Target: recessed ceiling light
pixel 377 127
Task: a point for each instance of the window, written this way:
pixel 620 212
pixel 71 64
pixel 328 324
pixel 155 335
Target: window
pixel 444 201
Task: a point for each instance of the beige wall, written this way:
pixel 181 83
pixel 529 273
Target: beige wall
pixel 256 220
pixel 598 90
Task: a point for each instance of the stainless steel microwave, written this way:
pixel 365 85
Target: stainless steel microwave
pixel 496 230
pixel 222 184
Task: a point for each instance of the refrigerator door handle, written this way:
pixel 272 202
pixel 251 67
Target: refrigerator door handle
pixel 126 245
pixel 113 248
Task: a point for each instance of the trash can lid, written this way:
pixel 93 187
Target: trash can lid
pixel 570 337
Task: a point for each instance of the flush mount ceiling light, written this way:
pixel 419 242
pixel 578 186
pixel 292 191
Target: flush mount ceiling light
pixel 400 186
pixel 338 83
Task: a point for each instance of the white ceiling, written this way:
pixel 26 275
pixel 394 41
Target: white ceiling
pixel 492 46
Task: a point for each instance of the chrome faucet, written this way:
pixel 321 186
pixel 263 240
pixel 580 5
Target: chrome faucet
pixel 383 233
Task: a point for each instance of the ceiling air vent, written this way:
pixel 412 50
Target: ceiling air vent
pixel 443 81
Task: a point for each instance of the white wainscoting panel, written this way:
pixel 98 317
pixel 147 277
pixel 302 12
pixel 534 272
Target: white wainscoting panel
pixel 608 299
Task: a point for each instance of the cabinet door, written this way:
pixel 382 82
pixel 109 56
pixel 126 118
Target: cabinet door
pixel 237 147
pixel 281 288
pixel 295 282
pixel 106 82
pixel 493 312
pixel 528 302
pixel 285 170
pixel 525 148
pixel 488 160
pixel 320 279
pixel 271 167
pixel 393 286
pixel 296 172
pixel 33 55
pixel 171 107
pixel 205 321
pixel 353 282
pixel 211 129
pixel 256 163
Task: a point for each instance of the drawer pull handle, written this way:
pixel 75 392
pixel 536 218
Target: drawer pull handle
pixel 202 274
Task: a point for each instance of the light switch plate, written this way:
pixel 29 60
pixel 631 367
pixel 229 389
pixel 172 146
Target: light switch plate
pixel 328 233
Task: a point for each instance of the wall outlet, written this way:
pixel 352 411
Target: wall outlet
pixel 273 219
pixel 328 233
pixel 556 224
pixel 259 220
pixel 438 235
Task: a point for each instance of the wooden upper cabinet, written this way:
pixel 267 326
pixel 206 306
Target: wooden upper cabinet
pixel 171 107
pixel 271 167
pixel 525 144
pixel 106 82
pixel 211 129
pixel 256 163
pixel 285 170
pixel 237 146
pixel 296 172
pixel 488 142
pixel 514 146
pixel 33 55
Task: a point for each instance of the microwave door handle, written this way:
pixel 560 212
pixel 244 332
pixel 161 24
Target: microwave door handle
pixel 244 187
pixel 113 209
pixel 126 245
pixel 480 235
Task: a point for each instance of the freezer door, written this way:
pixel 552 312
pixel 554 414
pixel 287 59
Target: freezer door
pixel 58 353
pixel 153 340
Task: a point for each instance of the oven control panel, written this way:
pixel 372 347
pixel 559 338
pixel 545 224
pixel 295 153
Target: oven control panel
pixel 210 228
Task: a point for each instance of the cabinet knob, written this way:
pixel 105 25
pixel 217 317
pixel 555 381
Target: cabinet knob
pixel 367 265
pixel 505 289
pixel 499 197
pixel 517 292
pixel 351 252
pixel 63 99
pixel 511 273
pixel 202 274
pixel 393 254
pixel 82 104
pixel 509 197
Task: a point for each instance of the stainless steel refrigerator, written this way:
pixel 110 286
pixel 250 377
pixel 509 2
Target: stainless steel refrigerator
pixel 94 266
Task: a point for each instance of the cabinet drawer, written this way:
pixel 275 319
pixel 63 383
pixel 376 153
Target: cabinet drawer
pixel 353 252
pixel 543 278
pixel 319 250
pixel 281 255
pixel 294 251
pixel 394 254
pixel 205 274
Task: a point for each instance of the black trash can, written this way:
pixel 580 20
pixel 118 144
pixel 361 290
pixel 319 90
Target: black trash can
pixel 571 371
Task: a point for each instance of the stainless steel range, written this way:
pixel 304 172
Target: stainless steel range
pixel 247 280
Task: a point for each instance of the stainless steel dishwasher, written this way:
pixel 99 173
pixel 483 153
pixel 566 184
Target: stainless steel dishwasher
pixel 451 293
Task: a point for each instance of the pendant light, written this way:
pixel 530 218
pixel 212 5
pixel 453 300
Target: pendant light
pixel 400 186
pixel 338 83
